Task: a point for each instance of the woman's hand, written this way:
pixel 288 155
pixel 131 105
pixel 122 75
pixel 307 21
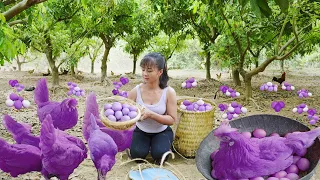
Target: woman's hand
pixel 146 114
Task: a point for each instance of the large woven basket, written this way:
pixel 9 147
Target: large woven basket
pixel 120 125
pixel 192 127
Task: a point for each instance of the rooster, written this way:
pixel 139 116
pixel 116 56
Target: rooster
pixel 122 138
pixel 280 80
pixel 218 76
pixel 19 159
pixel 103 149
pixel 21 132
pixel 239 157
pixel 60 152
pixel 64 114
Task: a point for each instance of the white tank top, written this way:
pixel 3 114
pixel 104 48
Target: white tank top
pixel 150 125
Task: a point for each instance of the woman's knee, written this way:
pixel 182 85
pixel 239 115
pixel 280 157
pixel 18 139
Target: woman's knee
pixel 138 152
pixel 158 152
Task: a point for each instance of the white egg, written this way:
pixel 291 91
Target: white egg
pixel 228 93
pixel 305 109
pixel 309 94
pixel 184 84
pixel 77 88
pixel 200 102
pixel 9 102
pixel 237 94
pixel 283 87
pixel 182 106
pixel 224 116
pixel 292 88
pixel 244 110
pixel 269 83
pixel 194 84
pixel 230 109
pixel 294 110
pixel 26 103
pixel 235 115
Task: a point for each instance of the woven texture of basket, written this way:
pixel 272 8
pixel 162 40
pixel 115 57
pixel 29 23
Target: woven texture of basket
pixel 123 124
pixel 192 127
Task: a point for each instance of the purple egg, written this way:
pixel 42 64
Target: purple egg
pixel 195 106
pixel 275 134
pixel 69 83
pixel 82 93
pixel 116 106
pixel 292 176
pixel 280 174
pixel 230 116
pixel 132 114
pixel 296 159
pixel 222 107
pixel 115 83
pixel 115 91
pixel 78 93
pixel 17 85
pixel 292 169
pixel 133 108
pixel 107 106
pixel 237 110
pixel 125 118
pixel 14 97
pixel 272 178
pixel 300 110
pixel 208 108
pixel 117 86
pixel 304 152
pixel 300 95
pixel 270 88
pixel 125 111
pixel 247 134
pixel 17 104
pixel 230 90
pixel 233 94
pixel 302 105
pixel 316 118
pixel 259 133
pixel 21 86
pixel 190 107
pixel 303 164
pixel 202 108
pixel 112 118
pixel 21 98
pixel 313 122
pixel 275 88
pixel 188 85
pixel 191 80
pixel 278 107
pixel 286 84
pixel 257 178
pixel 288 88
pixel 186 103
pixel 262 88
pixel 284 178
pixel 125 106
pixel 118 115
pixel 282 104
pixel 69 93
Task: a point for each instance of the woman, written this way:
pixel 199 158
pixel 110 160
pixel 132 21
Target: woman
pixel 153 132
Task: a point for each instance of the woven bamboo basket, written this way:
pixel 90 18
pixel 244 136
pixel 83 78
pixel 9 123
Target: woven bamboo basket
pixel 124 124
pixel 193 127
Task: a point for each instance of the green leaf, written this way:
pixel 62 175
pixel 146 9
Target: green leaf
pixel 255 8
pixel 243 2
pixel 264 7
pixel 284 5
pixel 2 18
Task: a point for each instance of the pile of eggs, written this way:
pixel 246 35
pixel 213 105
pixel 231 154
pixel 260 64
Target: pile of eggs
pixel 303 93
pixel 269 87
pixel 232 110
pixel 120 112
pixel 286 86
pixel 189 83
pixel 313 118
pixel 15 83
pixel 118 85
pixel 300 163
pixel 75 90
pixel 300 108
pixel 197 106
pixel 17 102
pixel 229 91
pixel 278 105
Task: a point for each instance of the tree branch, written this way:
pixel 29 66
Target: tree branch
pixel 18 8
pixel 19 21
pixel 281 32
pixel 201 29
pixel 8 2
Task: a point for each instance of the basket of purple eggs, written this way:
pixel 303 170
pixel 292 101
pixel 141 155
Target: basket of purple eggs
pixel 120 113
pixel 259 131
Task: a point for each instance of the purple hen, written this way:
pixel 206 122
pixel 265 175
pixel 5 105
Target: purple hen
pixel 122 138
pixel 60 152
pixel 21 132
pixel 64 114
pixel 102 149
pixel 19 159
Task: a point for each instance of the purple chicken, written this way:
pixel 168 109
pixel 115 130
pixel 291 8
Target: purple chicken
pixel 102 149
pixel 19 159
pixel 60 152
pixel 21 132
pixel 64 114
pixel 240 157
pixel 122 138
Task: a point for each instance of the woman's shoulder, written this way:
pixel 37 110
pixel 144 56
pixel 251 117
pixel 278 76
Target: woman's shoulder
pixel 171 91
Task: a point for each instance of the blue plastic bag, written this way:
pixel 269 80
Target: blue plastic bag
pixel 152 173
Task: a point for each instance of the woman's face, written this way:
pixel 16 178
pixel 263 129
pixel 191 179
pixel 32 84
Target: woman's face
pixel 151 74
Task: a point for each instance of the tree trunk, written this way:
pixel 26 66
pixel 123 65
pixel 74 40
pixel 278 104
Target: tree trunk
pixel 52 64
pixel 135 57
pixel 208 65
pixel 92 66
pixel 104 62
pixel 247 82
pixel 19 63
pixel 236 77
pixel 257 62
pixel 72 70
pixel 282 65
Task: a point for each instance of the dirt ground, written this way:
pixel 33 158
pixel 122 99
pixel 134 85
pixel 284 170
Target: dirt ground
pixel 307 78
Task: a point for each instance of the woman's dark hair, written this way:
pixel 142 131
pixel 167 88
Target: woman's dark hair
pixel 157 60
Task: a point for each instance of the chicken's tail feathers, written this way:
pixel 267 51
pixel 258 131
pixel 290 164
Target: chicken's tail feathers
pixel 41 93
pixel 3 144
pixel 14 127
pixel 91 108
pixel 93 121
pixel 47 132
